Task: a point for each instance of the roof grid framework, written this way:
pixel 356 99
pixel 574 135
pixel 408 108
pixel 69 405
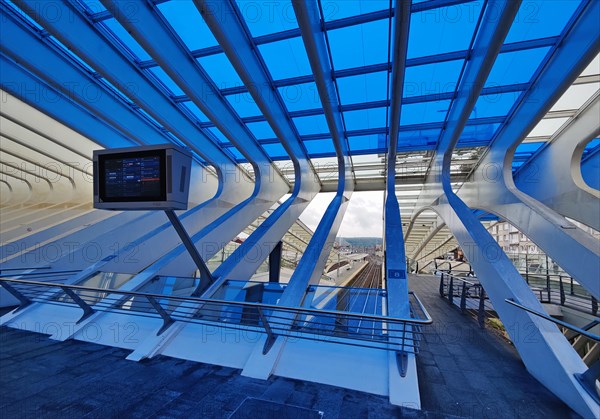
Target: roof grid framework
pixel 119 91
pixel 432 71
pixel 116 34
pixel 495 104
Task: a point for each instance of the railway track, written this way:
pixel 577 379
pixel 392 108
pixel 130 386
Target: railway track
pixel 361 294
pixel 370 277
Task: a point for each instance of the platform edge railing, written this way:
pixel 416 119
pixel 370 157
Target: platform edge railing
pixel 268 325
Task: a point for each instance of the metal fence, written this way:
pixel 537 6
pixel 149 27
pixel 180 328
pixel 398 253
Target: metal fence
pixel 373 331
pixel 549 288
pixel 468 294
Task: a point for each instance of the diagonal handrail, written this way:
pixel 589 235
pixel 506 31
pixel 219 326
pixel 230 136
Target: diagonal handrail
pixel 555 321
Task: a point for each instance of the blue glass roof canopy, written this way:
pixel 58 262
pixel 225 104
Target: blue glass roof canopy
pixel 358 38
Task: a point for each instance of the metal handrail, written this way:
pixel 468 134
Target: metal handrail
pixel 297 310
pixel 472 284
pixel 29 274
pixel 25 269
pixel 570 293
pixel 314 324
pixel 466 286
pixel 553 320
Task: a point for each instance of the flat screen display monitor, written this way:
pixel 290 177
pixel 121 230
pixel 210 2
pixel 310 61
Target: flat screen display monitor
pixel 133 176
pixel 142 178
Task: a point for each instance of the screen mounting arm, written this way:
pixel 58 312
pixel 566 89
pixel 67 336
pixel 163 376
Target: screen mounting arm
pixel 206 277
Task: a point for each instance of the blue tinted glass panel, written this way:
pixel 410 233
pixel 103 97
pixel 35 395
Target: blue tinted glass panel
pixel 177 141
pixel 286 58
pixel 420 113
pixel 184 17
pixel 591 146
pixel 528 148
pixel 320 148
pixel 365 118
pixel 432 78
pixel 444 29
pixel 220 71
pixel 300 96
pixel 516 67
pixel 71 54
pixel 147 115
pixel 24 15
pixel 540 19
pixel 167 81
pixel 199 159
pixel 267 17
pixel 363 88
pixel 220 136
pixel 418 139
pixel 94 6
pixel 261 130
pixel 191 106
pixel 244 104
pixel 589 171
pixel 117 91
pixel 359 45
pixel 333 10
pixel 477 135
pixel 489 217
pixel 368 144
pixel 494 104
pixel 524 152
pixel 127 39
pixel 276 151
pixel 308 125
pixel 237 155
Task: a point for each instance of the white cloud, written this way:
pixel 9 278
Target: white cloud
pixel 363 218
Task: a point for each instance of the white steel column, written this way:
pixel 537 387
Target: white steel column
pixel 553 176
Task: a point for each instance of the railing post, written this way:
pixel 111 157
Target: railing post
pixel 481 311
pixel 527 269
pixel 442 285
pixel 594 306
pixel 562 290
pixel 271 337
pixel 87 309
pixel 463 298
pixel 24 301
pixel 451 290
pixel 572 287
pixel 402 356
pixel 167 319
pixel 548 280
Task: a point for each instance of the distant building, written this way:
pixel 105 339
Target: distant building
pixel 512 240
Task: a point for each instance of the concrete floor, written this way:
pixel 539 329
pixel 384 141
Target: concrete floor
pixel 472 372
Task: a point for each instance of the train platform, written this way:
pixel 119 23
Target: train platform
pixel 464 372
pixel 468 371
